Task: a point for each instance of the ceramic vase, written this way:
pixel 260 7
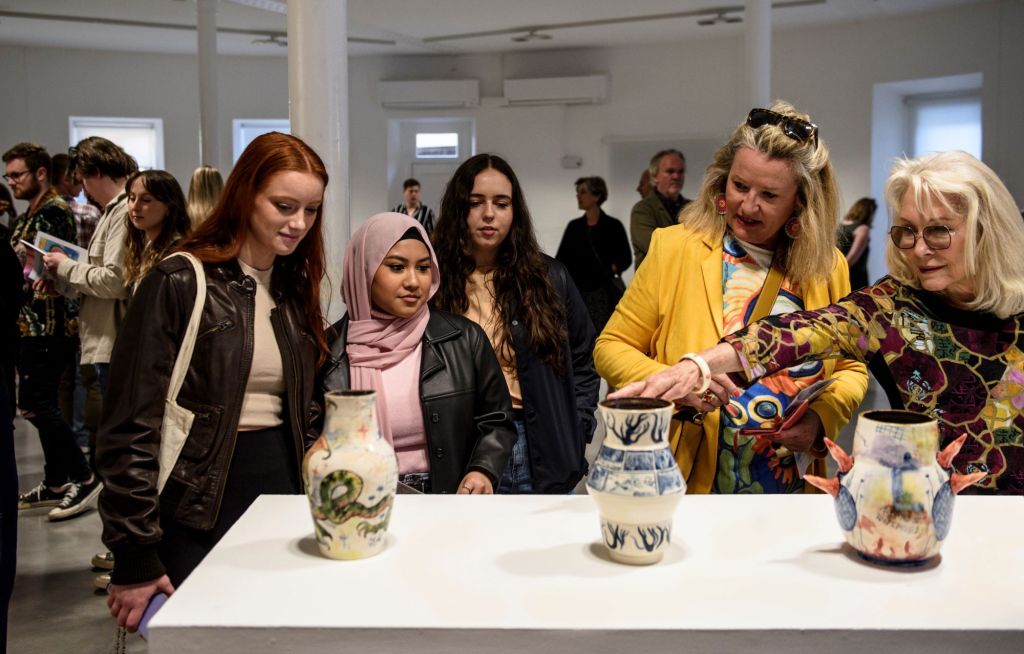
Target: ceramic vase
pixel 894 496
pixel 350 475
pixel 635 480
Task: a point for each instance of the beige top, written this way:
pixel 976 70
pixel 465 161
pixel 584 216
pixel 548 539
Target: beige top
pixel 264 392
pixel 480 293
pixel 100 280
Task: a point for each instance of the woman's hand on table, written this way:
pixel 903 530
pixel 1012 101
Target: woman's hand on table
pixel 128 602
pixel 475 483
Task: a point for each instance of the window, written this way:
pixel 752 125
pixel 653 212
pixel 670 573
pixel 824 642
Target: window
pixel 940 123
pixel 143 138
pixel 244 130
pixel 433 145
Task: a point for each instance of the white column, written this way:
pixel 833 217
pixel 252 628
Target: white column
pixel 318 109
pixel 758 22
pixel 209 114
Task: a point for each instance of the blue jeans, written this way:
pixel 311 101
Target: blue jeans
pixel 103 376
pixel 517 477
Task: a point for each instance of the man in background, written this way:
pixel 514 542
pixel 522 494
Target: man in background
pixel 662 206
pixel 413 207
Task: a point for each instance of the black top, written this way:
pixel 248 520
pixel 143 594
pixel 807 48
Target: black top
pixel 588 253
pixel 859 270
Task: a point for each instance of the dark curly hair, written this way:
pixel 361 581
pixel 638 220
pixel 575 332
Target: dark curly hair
pixel 521 280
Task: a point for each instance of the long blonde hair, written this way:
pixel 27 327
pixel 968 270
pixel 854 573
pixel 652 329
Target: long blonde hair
pixel 203 192
pixel 958 183
pixel 812 255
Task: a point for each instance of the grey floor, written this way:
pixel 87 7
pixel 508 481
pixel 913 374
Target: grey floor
pixel 55 609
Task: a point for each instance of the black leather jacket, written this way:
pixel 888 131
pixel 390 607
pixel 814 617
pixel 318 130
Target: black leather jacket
pixel 128 442
pixel 467 411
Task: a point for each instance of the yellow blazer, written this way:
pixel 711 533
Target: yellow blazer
pixel 673 306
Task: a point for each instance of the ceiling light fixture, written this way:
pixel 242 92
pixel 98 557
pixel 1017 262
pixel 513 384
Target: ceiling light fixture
pixel 531 35
pixel 718 19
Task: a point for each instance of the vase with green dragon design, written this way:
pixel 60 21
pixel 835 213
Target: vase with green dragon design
pixel 350 475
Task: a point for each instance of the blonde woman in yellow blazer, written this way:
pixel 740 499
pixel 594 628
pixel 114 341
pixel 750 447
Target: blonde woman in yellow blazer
pixel 771 186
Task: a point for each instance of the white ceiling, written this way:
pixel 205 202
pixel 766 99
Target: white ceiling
pixel 412 25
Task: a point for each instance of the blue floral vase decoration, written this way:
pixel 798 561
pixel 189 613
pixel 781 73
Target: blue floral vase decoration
pixel 635 480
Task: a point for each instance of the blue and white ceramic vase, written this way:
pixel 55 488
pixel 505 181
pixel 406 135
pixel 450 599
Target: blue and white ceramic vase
pixel 350 475
pixel 635 480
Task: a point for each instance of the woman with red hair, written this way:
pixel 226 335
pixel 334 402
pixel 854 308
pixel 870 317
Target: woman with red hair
pixel 249 383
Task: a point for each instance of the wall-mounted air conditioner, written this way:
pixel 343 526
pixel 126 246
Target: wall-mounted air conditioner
pixel 591 89
pixel 429 93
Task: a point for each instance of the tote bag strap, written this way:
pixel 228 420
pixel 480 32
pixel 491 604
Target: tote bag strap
pixel 770 290
pixel 184 359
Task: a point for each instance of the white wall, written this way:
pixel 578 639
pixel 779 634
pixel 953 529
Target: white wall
pixel 686 91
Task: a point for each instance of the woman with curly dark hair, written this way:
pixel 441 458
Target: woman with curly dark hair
pixel 494 273
pixel 157 220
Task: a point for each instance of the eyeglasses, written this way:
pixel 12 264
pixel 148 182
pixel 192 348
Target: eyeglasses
pixel 9 177
pixel 795 128
pixel 937 237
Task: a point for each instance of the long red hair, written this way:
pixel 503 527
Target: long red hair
pixel 219 238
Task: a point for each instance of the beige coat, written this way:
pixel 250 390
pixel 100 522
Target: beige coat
pixel 101 283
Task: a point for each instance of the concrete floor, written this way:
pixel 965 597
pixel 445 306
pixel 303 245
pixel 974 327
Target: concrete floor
pixel 55 609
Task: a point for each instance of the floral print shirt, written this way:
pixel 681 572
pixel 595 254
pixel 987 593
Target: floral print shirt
pixel 964 368
pixel 46 314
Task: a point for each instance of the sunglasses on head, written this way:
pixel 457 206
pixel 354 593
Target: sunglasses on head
pixel 795 128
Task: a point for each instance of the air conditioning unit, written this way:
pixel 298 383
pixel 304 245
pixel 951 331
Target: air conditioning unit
pixel 591 89
pixel 429 93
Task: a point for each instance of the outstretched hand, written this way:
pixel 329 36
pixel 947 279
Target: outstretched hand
pixel 677 383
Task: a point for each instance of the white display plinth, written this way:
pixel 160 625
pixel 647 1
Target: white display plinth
pixel 529 574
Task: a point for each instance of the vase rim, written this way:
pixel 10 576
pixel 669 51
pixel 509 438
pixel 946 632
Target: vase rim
pixel 898 416
pixel 349 393
pixel 635 404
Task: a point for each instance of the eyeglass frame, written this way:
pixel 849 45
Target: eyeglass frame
pixel 950 232
pixel 16 176
pixel 785 123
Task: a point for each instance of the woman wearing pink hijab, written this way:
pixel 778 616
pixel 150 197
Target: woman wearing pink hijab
pixel 442 401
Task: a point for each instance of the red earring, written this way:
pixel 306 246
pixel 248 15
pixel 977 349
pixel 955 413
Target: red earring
pixel 792 228
pixel 720 204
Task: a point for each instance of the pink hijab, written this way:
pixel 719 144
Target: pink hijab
pixel 378 340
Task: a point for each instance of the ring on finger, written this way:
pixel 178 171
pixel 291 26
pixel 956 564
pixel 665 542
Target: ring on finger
pixel 707 396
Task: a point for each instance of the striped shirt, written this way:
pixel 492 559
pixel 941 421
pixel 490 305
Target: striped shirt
pixel 423 214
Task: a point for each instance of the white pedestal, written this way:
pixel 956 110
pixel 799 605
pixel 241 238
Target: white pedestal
pixel 510 574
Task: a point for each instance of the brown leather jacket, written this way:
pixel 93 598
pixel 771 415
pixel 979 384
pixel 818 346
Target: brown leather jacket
pixel 128 442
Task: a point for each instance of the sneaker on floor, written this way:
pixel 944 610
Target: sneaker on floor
pixel 103 561
pixel 79 498
pixel 101 582
pixel 41 496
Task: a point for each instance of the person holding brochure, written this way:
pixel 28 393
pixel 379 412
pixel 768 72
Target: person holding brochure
pixel 943 333
pixel 249 381
pixel 48 325
pixel 103 168
pixel 758 240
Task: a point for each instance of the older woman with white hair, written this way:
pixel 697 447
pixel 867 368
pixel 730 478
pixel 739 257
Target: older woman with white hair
pixel 943 333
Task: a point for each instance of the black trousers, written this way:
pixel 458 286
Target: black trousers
pixel 41 362
pixel 263 463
